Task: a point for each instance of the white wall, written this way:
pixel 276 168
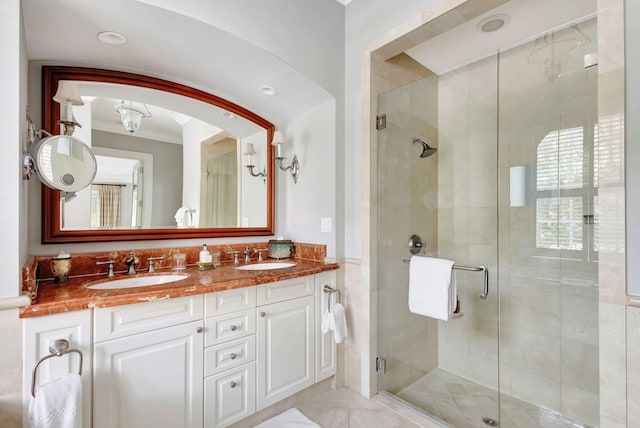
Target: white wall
pixel 311 136
pixel 12 119
pixel 13 233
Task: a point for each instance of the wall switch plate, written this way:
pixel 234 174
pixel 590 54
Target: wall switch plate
pixel 325 224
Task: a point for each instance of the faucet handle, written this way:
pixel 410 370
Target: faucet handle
pixel 110 273
pixel 235 256
pixel 259 251
pixel 150 261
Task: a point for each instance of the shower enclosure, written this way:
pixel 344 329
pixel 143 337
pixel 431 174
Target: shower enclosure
pixel 513 187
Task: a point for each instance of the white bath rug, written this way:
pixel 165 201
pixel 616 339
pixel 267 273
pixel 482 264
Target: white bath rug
pixel 292 418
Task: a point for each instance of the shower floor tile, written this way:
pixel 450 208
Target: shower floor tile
pixel 462 403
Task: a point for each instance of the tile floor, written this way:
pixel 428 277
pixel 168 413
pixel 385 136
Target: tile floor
pixel 456 401
pixel 334 408
pixel 463 403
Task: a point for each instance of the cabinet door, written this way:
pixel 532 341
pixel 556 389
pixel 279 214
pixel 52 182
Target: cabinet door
pixel 151 379
pixel 229 396
pixel 285 351
pixel 326 364
pixel 38 334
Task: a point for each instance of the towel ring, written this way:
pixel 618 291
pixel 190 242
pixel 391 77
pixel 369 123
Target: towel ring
pixel 330 290
pixel 59 348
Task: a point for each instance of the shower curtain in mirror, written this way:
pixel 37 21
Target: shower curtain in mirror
pixel 110 197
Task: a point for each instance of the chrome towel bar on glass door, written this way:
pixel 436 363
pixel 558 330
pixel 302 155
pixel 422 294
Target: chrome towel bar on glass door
pixel 485 291
pixel 59 348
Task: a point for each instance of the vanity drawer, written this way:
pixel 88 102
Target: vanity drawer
pixel 229 326
pixel 229 355
pixel 229 396
pixel 224 302
pixel 274 292
pixel 119 321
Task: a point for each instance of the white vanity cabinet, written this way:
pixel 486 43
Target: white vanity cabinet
pixel 149 364
pixel 198 361
pixel 38 334
pixel 286 339
pixel 229 356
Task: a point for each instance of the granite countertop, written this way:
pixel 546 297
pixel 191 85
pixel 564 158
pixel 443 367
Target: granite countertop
pixel 53 298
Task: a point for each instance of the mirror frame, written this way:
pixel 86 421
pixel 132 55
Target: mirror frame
pixel 51 220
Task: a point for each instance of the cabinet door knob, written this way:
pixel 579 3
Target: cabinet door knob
pixel 233 384
pixel 233 356
pixel 199 330
pixel 234 327
pixel 263 314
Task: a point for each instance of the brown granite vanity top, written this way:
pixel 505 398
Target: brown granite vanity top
pixel 51 298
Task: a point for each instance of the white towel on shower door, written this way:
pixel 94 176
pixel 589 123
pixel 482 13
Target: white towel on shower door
pixel 432 287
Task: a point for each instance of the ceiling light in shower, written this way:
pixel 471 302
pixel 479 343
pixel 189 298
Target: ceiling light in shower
pixel 493 23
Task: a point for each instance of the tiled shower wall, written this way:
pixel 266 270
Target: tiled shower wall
pixel 407 194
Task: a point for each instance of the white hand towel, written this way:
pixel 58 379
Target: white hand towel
pixel 432 287
pixel 292 418
pixel 57 404
pixel 340 330
pixel 327 322
pixel 180 216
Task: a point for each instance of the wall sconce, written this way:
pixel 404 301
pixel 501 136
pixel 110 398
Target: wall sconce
pixel 68 96
pixel 278 142
pixel 249 152
pixel 130 115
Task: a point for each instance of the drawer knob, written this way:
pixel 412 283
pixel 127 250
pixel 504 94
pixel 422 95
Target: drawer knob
pixel 234 327
pixel 199 330
pixel 233 356
pixel 263 314
pixel 233 384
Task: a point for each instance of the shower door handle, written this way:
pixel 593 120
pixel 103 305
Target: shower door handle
pixel 485 291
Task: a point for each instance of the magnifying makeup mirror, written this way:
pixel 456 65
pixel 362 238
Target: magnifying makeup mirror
pixel 62 162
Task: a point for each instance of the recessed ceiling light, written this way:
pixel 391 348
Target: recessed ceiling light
pixel 493 23
pixel 228 114
pixel 268 90
pixel 112 38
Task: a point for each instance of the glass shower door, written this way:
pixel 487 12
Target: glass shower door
pixel 447 370
pixel 548 223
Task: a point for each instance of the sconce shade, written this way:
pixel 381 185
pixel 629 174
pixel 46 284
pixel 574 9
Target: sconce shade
pixel 68 92
pixel 278 138
pixel 249 149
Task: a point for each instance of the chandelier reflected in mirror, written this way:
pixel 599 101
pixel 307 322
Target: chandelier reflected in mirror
pixel 131 114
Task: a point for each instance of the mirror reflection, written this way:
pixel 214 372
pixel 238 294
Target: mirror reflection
pixel 166 161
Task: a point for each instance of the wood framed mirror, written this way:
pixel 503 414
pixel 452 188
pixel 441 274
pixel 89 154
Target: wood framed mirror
pixel 183 177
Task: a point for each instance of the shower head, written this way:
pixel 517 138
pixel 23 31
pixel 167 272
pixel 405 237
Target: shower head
pixel 426 150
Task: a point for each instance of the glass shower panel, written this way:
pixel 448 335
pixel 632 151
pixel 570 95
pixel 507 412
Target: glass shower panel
pixel 407 205
pixel 448 370
pixel 547 222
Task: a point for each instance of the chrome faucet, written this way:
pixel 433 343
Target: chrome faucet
pixel 247 253
pixel 131 262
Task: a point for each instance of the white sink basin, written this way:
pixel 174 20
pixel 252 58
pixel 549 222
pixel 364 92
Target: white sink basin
pixel 138 281
pixel 266 266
